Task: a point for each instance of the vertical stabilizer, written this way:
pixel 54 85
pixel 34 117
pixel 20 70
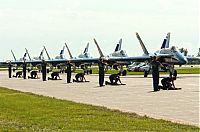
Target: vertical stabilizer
pixel 41 54
pixel 24 57
pixel 86 48
pixel 28 54
pixel 163 44
pixel 13 55
pixel 99 49
pixel 47 53
pixel 118 46
pixel 167 40
pixel 142 44
pixel 62 53
pixel 70 55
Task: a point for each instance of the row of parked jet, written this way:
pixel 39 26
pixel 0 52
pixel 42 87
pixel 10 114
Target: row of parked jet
pixel 168 56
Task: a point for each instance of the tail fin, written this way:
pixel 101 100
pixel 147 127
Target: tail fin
pixel 62 53
pixel 41 54
pixel 163 44
pixel 24 57
pixel 120 44
pixel 168 40
pixel 118 47
pixel 70 55
pixel 47 53
pixel 142 44
pixel 28 54
pixel 13 55
pixel 86 48
pixel 99 49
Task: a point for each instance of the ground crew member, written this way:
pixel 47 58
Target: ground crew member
pixel 101 74
pixel 9 70
pixel 24 70
pixel 33 75
pixel 44 70
pixel 79 77
pixel 18 74
pixel 114 78
pixel 155 72
pixel 69 72
pixel 54 76
pixel 168 82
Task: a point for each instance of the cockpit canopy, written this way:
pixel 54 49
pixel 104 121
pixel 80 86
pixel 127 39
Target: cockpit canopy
pixel 123 53
pixel 168 50
pixel 173 48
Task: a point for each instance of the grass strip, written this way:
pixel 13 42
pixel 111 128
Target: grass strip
pixel 28 112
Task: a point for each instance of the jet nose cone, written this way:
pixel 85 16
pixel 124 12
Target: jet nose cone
pixel 184 60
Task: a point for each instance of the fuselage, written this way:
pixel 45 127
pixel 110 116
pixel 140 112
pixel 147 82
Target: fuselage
pixel 84 55
pixel 120 53
pixel 176 58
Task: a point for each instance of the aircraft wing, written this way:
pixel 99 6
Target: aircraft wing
pixel 84 60
pixel 74 61
pixel 34 62
pixel 138 58
pixel 108 60
pixel 11 62
pixel 78 61
pixel 127 59
pixel 4 63
pixel 193 60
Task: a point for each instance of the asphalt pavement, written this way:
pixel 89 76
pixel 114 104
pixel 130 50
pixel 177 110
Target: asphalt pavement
pixel 136 96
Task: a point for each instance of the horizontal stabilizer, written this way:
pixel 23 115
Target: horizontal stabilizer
pixel 99 49
pixel 142 44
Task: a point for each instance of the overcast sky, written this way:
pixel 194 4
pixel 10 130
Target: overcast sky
pixel 33 23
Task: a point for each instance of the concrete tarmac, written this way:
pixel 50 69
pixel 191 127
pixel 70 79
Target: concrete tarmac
pixel 136 96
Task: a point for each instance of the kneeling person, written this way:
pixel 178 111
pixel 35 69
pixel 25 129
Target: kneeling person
pixel 79 77
pixel 33 75
pixel 18 74
pixel 168 82
pixel 54 76
pixel 114 78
